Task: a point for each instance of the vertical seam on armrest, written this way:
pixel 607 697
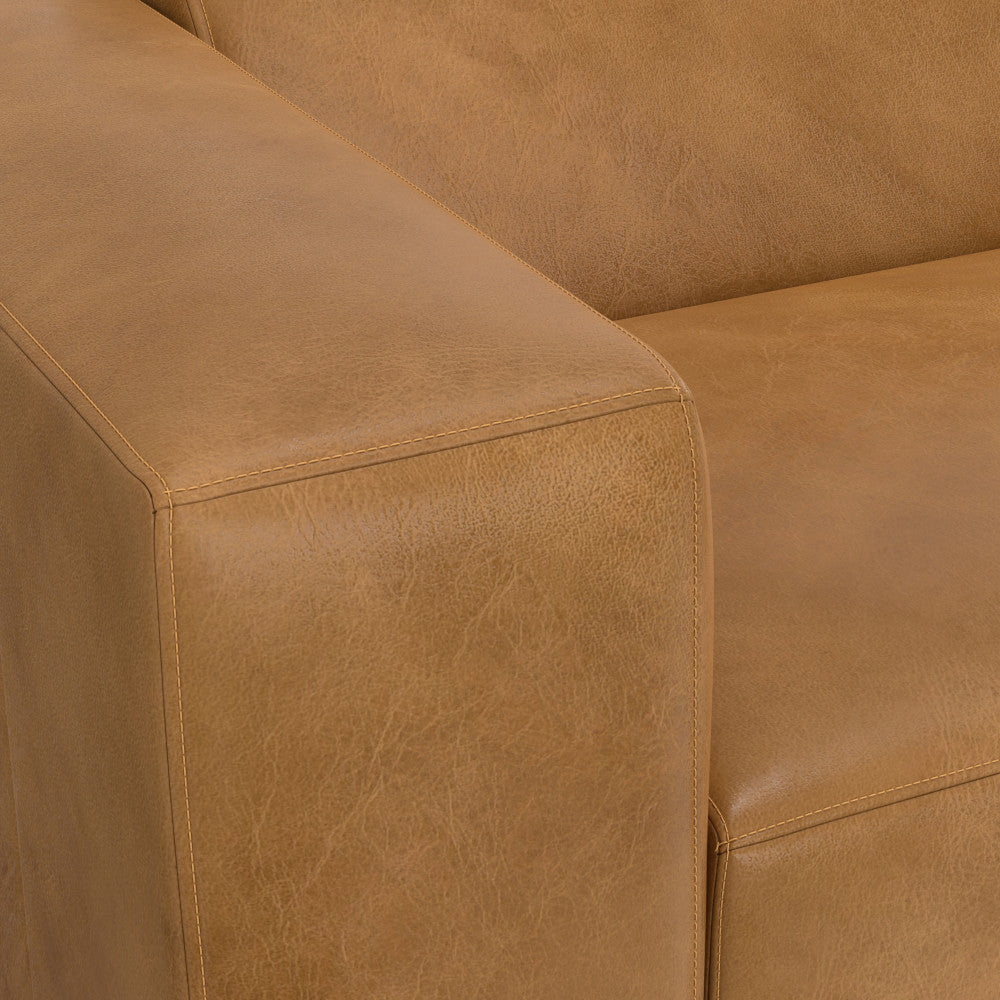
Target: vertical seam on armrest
pixel 208 24
pixel 180 717
pixel 695 654
pixel 17 837
pixel 722 899
pixel 173 601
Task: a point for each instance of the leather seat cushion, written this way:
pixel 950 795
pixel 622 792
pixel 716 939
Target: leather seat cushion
pixel 853 435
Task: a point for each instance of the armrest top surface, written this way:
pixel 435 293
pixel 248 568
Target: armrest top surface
pixel 233 295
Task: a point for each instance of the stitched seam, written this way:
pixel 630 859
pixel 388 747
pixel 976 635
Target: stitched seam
pixel 208 24
pixel 696 503
pixel 184 768
pixel 725 825
pixel 424 437
pixel 465 222
pixel 695 653
pixel 626 333
pixel 168 493
pixel 76 385
pixel 172 804
pixel 345 454
pixel 696 963
pixel 405 456
pixel 173 600
pixel 722 901
pixel 17 845
pixel 718 944
pixel 862 798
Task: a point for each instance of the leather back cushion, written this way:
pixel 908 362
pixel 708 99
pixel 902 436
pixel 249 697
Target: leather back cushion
pixel 651 154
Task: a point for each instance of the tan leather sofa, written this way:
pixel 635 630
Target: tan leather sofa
pixel 357 582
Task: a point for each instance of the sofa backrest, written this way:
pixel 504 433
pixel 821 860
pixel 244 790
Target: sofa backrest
pixel 649 154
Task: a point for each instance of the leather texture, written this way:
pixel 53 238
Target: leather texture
pixel 438 722
pixel 853 429
pixel 313 311
pixel 651 155
pixel 901 902
pixel 13 944
pixel 188 14
pixel 356 604
pixel 381 655
pixel 81 673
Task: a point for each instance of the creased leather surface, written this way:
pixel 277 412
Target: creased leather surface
pixel 853 430
pixel 438 722
pixel 650 155
pixel 82 683
pixel 902 903
pixel 240 290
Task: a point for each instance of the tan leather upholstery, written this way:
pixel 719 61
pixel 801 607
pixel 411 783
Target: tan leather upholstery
pixel 650 155
pixel 187 14
pixel 477 799
pixel 13 947
pixel 853 431
pixel 305 305
pixel 79 650
pixel 355 621
pixel 356 581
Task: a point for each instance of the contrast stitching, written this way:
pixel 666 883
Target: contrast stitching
pixel 184 768
pixel 173 601
pixel 695 653
pixel 725 826
pixel 563 291
pixel 208 24
pixel 168 492
pixel 80 390
pixel 718 946
pixel 722 901
pixel 465 222
pixel 425 437
pixel 696 502
pixel 862 798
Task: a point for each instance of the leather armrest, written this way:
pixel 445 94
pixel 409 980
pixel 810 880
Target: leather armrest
pixel 355 615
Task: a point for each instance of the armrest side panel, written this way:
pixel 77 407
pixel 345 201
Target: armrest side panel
pixel 438 723
pixel 90 812
pixel 421 538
